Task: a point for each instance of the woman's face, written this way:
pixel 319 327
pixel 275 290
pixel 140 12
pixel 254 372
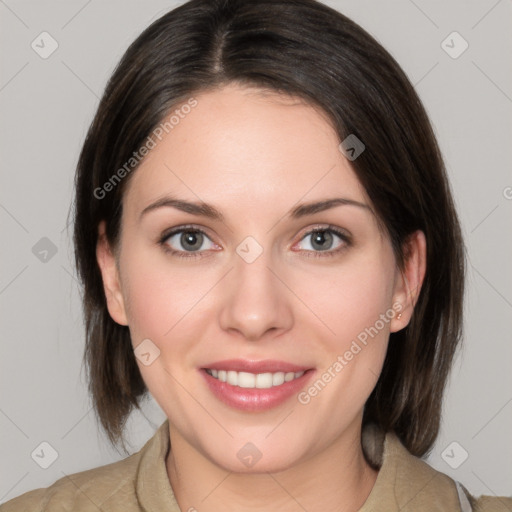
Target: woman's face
pixel 253 284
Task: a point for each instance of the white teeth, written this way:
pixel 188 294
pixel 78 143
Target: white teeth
pixel 254 380
pixel 264 380
pixel 245 380
pixel 277 379
pixel 289 376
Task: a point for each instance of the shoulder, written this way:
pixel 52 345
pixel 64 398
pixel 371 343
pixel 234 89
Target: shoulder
pixel 441 489
pixel 409 484
pixel 483 503
pixel 92 490
pixel 493 504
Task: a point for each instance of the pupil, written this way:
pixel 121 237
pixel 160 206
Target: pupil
pixel 320 238
pixel 192 239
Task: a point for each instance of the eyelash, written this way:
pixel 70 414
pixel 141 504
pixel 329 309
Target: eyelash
pixel 310 254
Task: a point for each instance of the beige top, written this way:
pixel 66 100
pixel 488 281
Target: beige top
pixel 140 483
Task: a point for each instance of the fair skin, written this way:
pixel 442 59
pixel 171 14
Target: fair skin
pixel 255 157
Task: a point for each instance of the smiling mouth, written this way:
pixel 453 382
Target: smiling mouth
pixel 254 380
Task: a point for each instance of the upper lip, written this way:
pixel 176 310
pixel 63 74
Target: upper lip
pixel 264 366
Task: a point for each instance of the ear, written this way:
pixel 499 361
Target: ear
pixel 110 275
pixel 409 281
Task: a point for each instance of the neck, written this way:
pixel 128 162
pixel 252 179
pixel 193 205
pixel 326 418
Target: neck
pixel 336 479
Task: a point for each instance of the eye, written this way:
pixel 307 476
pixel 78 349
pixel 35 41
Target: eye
pixel 189 242
pixel 183 240
pixel 327 240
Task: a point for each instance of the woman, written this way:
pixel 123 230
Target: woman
pixel 268 245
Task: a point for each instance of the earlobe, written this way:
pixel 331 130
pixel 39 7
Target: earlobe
pixel 410 280
pixel 110 275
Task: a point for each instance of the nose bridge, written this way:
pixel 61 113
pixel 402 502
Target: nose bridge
pixel 252 263
pixel 256 301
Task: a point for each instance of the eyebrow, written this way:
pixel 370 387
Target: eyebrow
pixel 206 210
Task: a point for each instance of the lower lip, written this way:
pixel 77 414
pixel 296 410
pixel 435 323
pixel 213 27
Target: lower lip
pixel 254 399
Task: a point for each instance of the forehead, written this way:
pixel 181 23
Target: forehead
pixel 240 142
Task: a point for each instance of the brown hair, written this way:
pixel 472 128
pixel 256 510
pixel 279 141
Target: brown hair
pixel 303 48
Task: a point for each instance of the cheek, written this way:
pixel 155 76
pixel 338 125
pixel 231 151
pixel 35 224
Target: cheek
pixel 369 297
pixel 351 298
pixel 165 306
pixel 357 308
pixel 161 296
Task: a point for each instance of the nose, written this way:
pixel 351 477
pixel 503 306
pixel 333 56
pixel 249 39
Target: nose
pixel 255 300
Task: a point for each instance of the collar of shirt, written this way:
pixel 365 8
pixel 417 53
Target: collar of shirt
pixel 404 484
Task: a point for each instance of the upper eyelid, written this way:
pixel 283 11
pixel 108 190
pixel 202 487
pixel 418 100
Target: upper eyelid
pixel 326 227
pixel 180 229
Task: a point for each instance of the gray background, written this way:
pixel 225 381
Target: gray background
pixel 46 106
